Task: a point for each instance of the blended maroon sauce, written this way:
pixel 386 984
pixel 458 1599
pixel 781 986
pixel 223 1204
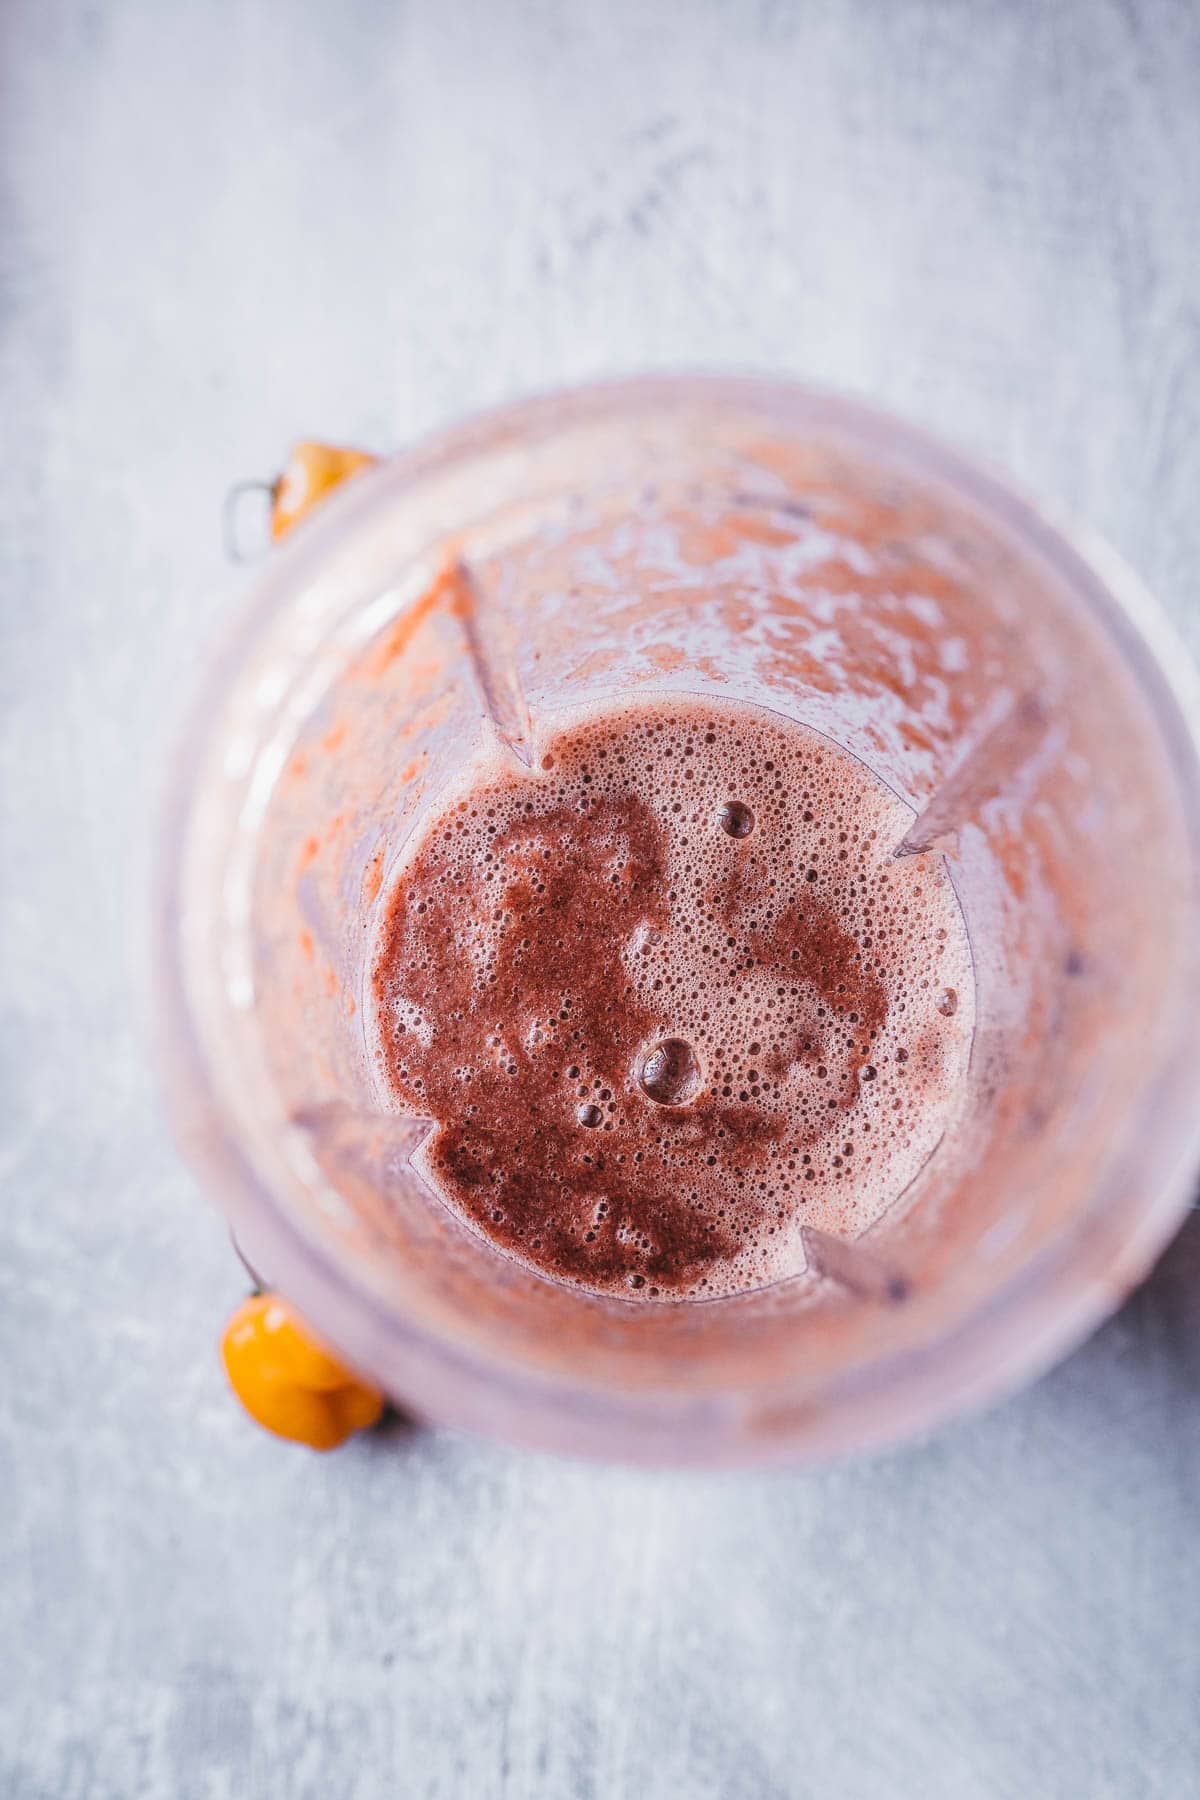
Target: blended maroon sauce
pixel 668 996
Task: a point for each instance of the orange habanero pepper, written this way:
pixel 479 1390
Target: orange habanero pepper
pixel 288 1382
pixel 312 471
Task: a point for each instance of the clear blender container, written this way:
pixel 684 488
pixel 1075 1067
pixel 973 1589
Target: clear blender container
pixel 750 541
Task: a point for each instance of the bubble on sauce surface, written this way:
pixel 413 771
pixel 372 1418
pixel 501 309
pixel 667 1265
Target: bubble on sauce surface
pixel 735 819
pixel 670 1073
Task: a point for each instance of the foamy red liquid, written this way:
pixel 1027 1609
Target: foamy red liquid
pixel 699 874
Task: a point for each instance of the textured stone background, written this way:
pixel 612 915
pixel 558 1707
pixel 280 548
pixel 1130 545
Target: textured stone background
pixel 225 223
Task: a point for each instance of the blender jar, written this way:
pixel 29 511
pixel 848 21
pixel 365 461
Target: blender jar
pixel 748 541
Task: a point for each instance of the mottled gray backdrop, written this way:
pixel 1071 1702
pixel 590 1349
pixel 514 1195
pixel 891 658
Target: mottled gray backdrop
pixel 227 223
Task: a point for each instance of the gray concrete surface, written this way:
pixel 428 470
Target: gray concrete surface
pixel 230 222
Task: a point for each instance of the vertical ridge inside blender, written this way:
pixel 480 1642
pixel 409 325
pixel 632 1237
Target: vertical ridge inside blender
pixel 1006 751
